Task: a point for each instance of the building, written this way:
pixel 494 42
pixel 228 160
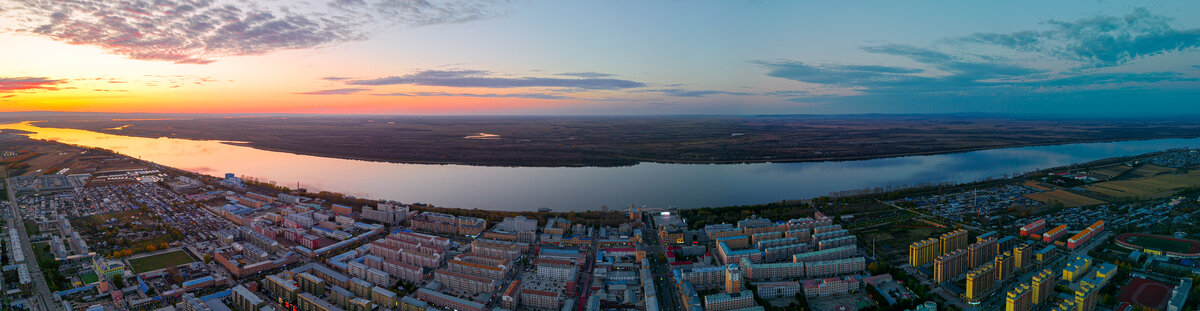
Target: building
pixel 1019 299
pixel 1033 227
pixel 981 252
pixel 464 283
pixel 922 252
pixel 1054 234
pixel 980 281
pixel 1043 286
pixel 729 302
pixel 1076 268
pixel 517 224
pixel 1004 266
pixel 733 279
pixel 772 290
pixel 1023 257
pixel 386 213
pixel 243 299
pixel 447 301
pixel 1086 297
pixel 828 268
pixel 953 240
pixel 1084 235
pixel 540 300
pixel 950 265
pixel 829 286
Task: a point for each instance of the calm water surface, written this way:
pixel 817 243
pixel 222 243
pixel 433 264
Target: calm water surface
pixel 584 188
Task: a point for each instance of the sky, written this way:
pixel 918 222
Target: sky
pixel 479 57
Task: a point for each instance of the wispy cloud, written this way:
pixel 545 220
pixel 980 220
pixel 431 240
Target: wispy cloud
pixel 1102 40
pixel 334 92
pixel 485 79
pixel 588 74
pixel 29 83
pixel 692 93
pixel 945 78
pixel 489 95
pixel 335 78
pixel 200 31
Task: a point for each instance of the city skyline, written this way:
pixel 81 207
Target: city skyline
pixel 616 58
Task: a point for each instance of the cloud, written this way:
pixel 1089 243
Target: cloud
pixel 692 93
pixel 7 96
pixel 971 79
pixel 29 83
pixel 200 31
pixel 484 79
pixel 347 91
pixel 515 95
pixel 335 78
pixel 588 74
pixel 1100 41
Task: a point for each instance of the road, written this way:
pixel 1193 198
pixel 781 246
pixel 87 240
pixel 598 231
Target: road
pixel 668 294
pixel 43 298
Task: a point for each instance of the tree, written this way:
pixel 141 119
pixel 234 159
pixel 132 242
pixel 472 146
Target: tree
pixel 118 281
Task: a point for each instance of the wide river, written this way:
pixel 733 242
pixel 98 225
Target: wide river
pixel 589 188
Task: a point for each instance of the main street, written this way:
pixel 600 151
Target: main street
pixel 43 298
pixel 668 294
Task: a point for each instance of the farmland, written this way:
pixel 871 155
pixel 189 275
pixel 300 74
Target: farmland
pixel 1159 186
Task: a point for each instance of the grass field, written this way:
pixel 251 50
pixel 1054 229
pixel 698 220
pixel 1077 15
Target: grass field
pixel 1111 171
pixel 1148 170
pixel 89 278
pixel 164 260
pixel 892 241
pixel 1160 186
pixel 1067 198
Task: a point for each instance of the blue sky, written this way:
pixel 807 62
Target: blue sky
pixel 614 57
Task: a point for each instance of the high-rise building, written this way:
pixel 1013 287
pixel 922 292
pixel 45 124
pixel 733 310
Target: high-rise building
pixel 981 252
pixel 950 265
pixel 953 240
pixel 1023 257
pixel 733 279
pixel 1043 286
pixel 1086 296
pixel 1019 299
pixel 922 252
pixel 980 281
pixel 1004 266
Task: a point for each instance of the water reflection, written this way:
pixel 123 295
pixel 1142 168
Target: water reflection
pixel 654 184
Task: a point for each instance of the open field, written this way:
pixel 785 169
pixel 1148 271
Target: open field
pixel 892 241
pixel 159 261
pixel 1159 186
pixel 1147 170
pixel 616 141
pixel 1111 171
pixel 1067 198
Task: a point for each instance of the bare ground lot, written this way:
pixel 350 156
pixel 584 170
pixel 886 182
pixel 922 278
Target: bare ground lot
pixel 615 141
pixel 1067 198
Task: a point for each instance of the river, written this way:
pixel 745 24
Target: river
pixel 589 188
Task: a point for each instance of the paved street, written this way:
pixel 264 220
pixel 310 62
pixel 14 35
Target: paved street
pixel 43 298
pixel 668 294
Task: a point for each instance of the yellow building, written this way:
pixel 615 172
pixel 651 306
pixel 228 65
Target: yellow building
pixel 1004 265
pixel 953 240
pixel 1019 299
pixel 1043 286
pixel 980 281
pixel 1085 297
pixel 1023 257
pixel 1077 268
pixel 922 252
pixel 949 265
